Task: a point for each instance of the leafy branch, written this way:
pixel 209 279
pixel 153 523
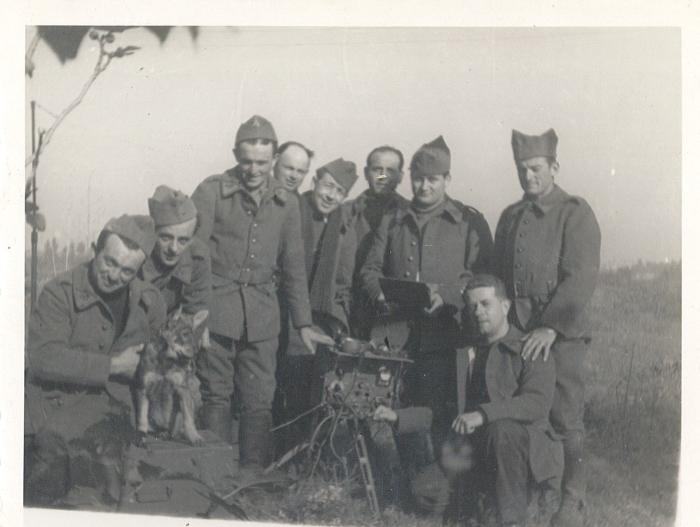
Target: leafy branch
pixel 103 60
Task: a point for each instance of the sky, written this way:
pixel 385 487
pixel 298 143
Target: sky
pixel 168 115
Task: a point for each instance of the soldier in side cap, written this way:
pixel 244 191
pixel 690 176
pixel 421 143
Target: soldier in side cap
pixel 83 346
pixel 252 227
pixel 329 252
pixel 383 172
pixel 547 251
pixel 179 265
pixel 441 242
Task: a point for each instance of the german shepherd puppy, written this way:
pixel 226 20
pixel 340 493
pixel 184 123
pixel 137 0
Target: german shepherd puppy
pixel 167 388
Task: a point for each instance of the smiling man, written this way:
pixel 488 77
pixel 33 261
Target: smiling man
pixel 179 265
pixel 292 165
pixel 441 242
pixel 252 227
pixel 83 346
pixel 329 251
pixel 547 251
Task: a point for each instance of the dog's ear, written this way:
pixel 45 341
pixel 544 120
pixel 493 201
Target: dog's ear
pixel 199 317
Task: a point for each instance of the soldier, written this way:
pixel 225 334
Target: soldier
pixel 503 403
pixel 441 242
pixel 383 172
pixel 547 250
pixel 329 249
pixel 252 225
pixel 83 346
pixel 179 266
pixel 292 165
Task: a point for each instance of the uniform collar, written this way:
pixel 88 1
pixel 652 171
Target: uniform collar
pixel 545 204
pixel 84 295
pixel 181 271
pixel 448 209
pixel 231 183
pixel 511 341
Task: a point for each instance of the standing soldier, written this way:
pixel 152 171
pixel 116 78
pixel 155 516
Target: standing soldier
pixel 547 250
pixel 441 242
pixel 383 172
pixel 329 250
pixel 83 347
pixel 252 225
pixel 179 266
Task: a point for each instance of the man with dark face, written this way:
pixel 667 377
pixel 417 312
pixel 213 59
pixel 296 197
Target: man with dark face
pixel 440 242
pixel 547 251
pixel 83 347
pixel 179 265
pixel 252 227
pixel 383 172
pixel 292 165
pixel 329 250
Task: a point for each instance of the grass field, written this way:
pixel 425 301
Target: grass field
pixel 633 408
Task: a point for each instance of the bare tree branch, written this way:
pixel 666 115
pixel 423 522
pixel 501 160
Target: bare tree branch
pixel 28 63
pixel 103 60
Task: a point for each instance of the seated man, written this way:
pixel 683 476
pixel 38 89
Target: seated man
pixel 83 347
pixel 503 406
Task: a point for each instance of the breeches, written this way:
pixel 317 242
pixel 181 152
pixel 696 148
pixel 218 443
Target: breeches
pixel 568 406
pixel 240 368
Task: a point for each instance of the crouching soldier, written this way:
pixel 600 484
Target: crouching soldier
pixel 83 346
pixel 503 404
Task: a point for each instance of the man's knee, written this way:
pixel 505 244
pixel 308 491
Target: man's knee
pixel 506 435
pixel 215 371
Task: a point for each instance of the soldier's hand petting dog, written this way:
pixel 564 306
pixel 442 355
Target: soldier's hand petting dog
pixel 126 362
pixel 538 341
pixel 467 423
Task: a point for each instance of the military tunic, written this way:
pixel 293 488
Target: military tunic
pixel 251 245
pixel 367 211
pixel 548 254
pixel 187 283
pixel 71 340
pixel 454 244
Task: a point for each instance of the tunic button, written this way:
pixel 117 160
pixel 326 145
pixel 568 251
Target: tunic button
pixel 518 266
pixel 255 225
pixel 414 243
pixel 249 212
pixel 410 258
pixel 520 249
pixel 101 346
pixel 407 273
pixel 522 234
pixel 526 222
pixel 252 256
pixel 104 327
pixel 253 240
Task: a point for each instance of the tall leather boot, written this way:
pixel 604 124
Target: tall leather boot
pixel 255 440
pixel 217 419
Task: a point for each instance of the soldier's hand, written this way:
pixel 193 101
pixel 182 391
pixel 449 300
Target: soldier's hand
pixel 538 341
pixel 310 337
pixel 436 301
pixel 467 423
pixel 384 413
pixel 127 361
pixel 204 340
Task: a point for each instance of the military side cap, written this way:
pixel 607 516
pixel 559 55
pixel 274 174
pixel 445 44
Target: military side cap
pixel 527 146
pixel 256 127
pixel 432 158
pixel 139 229
pixel 344 172
pixel 170 207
